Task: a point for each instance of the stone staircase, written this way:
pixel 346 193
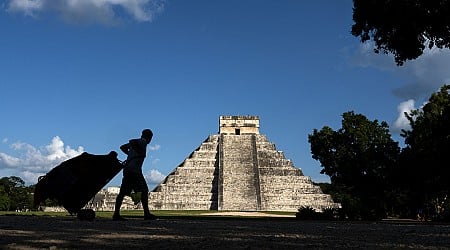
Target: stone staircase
pixel 239 175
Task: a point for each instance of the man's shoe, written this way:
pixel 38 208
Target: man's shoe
pixel 150 217
pixel 118 218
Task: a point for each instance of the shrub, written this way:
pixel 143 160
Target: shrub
pixel 309 213
pixel 306 213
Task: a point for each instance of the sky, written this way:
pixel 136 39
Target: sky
pixel 88 75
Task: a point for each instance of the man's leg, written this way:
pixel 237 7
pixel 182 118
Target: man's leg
pixel 144 201
pixel 125 189
pixel 119 200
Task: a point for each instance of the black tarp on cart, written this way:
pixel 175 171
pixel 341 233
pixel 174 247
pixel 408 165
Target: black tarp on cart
pixel 74 182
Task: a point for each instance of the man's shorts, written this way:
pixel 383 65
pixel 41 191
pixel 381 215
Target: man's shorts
pixel 133 182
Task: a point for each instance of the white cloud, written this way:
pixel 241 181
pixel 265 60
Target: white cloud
pixel 421 77
pixel 425 74
pixel 56 150
pixel 402 122
pixel 154 177
pixel 90 11
pixel 366 57
pixel 8 161
pixel 28 7
pixel 32 162
pixel 155 161
pixel 154 147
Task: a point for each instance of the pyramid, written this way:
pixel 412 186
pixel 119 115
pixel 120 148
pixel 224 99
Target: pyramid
pixel 238 169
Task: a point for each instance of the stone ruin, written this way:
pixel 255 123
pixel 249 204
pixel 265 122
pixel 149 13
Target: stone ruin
pixel 238 169
pixel 105 200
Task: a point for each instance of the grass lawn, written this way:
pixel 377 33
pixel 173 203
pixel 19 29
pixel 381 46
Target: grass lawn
pixel 137 213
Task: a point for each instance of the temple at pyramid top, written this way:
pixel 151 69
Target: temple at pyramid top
pixel 237 125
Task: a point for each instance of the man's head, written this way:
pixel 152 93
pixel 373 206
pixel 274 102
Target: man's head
pixel 147 134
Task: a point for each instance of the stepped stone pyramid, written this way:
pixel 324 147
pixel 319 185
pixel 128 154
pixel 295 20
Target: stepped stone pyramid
pixel 238 170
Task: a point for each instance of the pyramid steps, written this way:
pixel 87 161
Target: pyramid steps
pixel 193 184
pixel 240 182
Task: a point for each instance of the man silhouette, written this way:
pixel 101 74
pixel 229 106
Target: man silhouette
pixel 133 179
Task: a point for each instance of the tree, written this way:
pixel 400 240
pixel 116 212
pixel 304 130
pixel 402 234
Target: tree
pixel 359 159
pixel 4 199
pixel 404 27
pixel 15 196
pixel 425 159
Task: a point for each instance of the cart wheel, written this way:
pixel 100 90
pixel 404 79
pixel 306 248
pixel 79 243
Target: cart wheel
pixel 86 214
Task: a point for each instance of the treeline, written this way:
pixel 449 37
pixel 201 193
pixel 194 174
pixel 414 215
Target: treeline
pixel 373 178
pixel 14 195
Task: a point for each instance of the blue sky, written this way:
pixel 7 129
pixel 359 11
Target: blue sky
pixel 89 75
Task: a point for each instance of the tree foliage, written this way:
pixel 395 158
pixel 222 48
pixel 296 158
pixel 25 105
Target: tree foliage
pixel 425 159
pixel 14 195
pixel 4 199
pixel 359 158
pixel 404 27
pixel 369 175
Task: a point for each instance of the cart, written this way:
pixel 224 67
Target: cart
pixel 74 182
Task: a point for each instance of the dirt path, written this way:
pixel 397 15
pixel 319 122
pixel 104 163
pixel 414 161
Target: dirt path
pixel 33 232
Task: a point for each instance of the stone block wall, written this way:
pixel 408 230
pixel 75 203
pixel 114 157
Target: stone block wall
pixel 236 125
